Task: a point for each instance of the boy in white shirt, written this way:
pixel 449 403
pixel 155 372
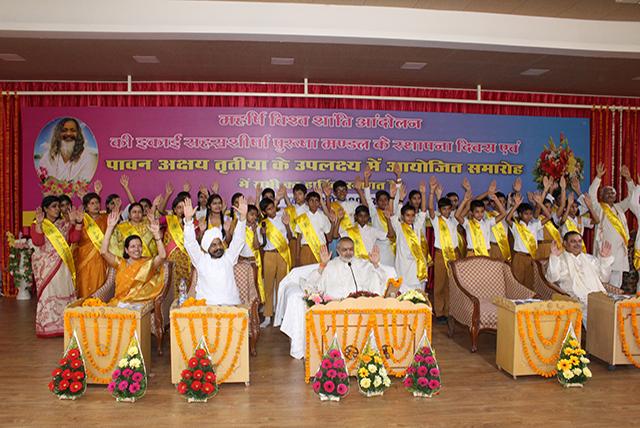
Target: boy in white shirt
pixel 411 262
pixel 313 230
pixel 364 236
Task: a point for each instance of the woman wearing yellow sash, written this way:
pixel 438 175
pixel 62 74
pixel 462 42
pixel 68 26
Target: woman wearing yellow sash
pixel 53 266
pixel 91 267
pixel 136 225
pixel 215 218
pixel 174 243
pixel 138 278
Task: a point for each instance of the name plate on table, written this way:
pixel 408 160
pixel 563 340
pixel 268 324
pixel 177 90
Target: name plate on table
pixel 530 334
pixel 397 326
pixel 226 329
pixel 104 333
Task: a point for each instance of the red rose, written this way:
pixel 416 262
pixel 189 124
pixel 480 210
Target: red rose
pixel 66 374
pixel 73 354
pixel 75 387
pixel 186 374
pixel 182 387
pixel 198 374
pixel 210 377
pixel 204 362
pixel 78 376
pixel 76 364
pixel 200 353
pixel 52 386
pixel 195 385
pixel 56 372
pixel 193 362
pixel 62 362
pixel 207 388
pixel 63 385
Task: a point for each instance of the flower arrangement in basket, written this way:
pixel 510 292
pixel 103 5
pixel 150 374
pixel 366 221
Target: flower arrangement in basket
pixel 414 296
pixel 53 186
pixel 372 376
pixel 572 364
pixel 362 293
pixel 313 298
pixel 19 265
pixel 557 161
pixel 198 381
pixel 331 381
pixel 70 378
pixel 129 379
pixel 423 375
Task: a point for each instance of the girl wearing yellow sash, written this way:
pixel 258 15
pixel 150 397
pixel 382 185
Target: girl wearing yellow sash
pixel 174 243
pixel 138 278
pixel 53 265
pixel 136 225
pixel 91 267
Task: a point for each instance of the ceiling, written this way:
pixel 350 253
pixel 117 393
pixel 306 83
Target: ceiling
pixel 579 9
pixel 74 59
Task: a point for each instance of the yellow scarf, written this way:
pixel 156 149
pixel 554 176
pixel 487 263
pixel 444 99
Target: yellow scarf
pixel 249 238
pixel 93 231
pixel 527 238
pixel 477 238
pixel 385 225
pixel 425 248
pixel 502 239
pixel 446 242
pixel 60 244
pixel 310 235
pixel 291 211
pixel 279 241
pixel 553 232
pixel 358 245
pixel 573 227
pixel 345 222
pixel 176 231
pixel 616 223
pixel 127 230
pixel 416 251
pixel 636 259
pixel 146 283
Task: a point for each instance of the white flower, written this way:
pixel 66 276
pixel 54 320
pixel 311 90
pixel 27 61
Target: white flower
pixel 377 381
pixel 587 372
pixel 585 360
pixel 372 368
pixel 567 374
pixel 577 371
pixel 123 363
pixel 365 383
pixel 132 351
pixel 383 372
pixel 386 381
pixel 134 363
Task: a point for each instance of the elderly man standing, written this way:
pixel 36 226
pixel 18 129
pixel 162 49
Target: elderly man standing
pixel 612 225
pixel 577 273
pixel 347 274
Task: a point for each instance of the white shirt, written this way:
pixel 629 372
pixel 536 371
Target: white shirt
pixel 300 209
pixel 82 169
pixel 370 235
pixel 201 213
pixel 504 224
pixel 485 226
pixel 320 224
pixel 406 265
pixel 634 206
pixel 337 281
pixel 216 280
pixel 534 226
pixel 277 222
pixel 581 223
pixel 387 257
pixel 349 208
pixel 452 224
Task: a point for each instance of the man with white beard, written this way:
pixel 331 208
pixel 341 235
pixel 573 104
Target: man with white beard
pixel 68 158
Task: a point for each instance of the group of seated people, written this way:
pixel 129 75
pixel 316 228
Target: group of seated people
pixel 241 255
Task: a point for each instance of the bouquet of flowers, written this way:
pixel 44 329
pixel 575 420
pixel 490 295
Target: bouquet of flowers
pixel 557 161
pixel 414 296
pixel 572 364
pixel 315 298
pixel 198 380
pixel 423 375
pixel 331 381
pixel 393 287
pixel 357 294
pixel 70 378
pixel 129 379
pixel 53 186
pixel 19 265
pixel 372 375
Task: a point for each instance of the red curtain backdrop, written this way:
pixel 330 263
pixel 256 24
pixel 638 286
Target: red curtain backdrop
pixel 615 136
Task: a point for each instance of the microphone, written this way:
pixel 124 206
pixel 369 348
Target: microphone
pixel 353 275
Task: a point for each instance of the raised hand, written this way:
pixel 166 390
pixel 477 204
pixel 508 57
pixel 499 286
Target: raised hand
pixel 114 217
pixel 281 192
pixel 397 170
pixel 575 185
pixel 563 182
pixel 570 199
pixel 285 218
pixel 325 257
pixel 625 173
pixel 333 218
pixel 168 188
pixel 340 214
pixel 423 187
pixel 156 201
pixel 439 191
pixel 492 188
pixel 258 189
pixel 466 185
pixel 403 191
pixel 189 211
pixel 124 181
pixel 357 183
pixel 242 208
pixel 555 250
pixel 97 186
pixel 600 170
pixel 154 227
pixel 393 188
pixel 517 185
pixel 388 211
pixel 587 200
pixel 186 187
pixel 547 182
pixel 203 189
pixel 374 256
pixel 517 200
pixel 326 189
pixel 433 183
pixel 367 173
pixel 215 187
pixel 605 250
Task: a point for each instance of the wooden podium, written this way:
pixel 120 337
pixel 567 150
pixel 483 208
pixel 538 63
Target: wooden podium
pixel 543 325
pixel 397 327
pixel 226 331
pixel 104 333
pixel 604 336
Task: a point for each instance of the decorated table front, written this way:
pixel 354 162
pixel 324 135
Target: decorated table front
pixel 227 335
pixel 612 329
pixel 104 332
pixel 530 334
pixel 397 327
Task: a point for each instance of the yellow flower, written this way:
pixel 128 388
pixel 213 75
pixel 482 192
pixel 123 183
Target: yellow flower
pixel 377 360
pixel 363 372
pixel 563 365
pixel 574 360
pixel 568 351
pixel 580 352
pixel 132 351
pixel 574 343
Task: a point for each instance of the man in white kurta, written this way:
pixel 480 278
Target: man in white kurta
pixel 605 230
pixel 347 274
pixel 577 273
pixel 214 265
pixel 634 206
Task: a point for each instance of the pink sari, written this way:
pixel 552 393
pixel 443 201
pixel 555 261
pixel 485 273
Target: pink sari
pixel 54 283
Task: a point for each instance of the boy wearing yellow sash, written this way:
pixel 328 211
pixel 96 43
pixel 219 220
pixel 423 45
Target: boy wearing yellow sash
pixel 411 262
pixel 274 238
pixel 572 221
pixel 364 237
pixel 295 209
pixel 340 193
pixel 499 248
pixel 313 229
pixel 613 222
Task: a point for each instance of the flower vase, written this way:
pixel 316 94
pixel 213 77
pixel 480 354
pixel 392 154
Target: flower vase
pixel 373 393
pixel 572 385
pixel 197 400
pixel 67 397
pixel 23 284
pixel 327 397
pixel 126 399
pixel 422 394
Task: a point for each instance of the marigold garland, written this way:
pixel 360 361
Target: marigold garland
pixel 93 302
pixel 621 330
pixel 192 301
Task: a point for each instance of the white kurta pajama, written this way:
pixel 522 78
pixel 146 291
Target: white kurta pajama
pixel 579 275
pixel 406 265
pixel 606 232
pixel 337 280
pixel 216 280
pixel 387 256
pixel 634 206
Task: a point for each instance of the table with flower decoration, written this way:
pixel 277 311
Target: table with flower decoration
pixel 531 332
pixel 397 327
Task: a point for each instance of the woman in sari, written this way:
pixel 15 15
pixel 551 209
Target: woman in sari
pixel 136 225
pixel 91 267
pixel 174 242
pixel 53 266
pixel 138 278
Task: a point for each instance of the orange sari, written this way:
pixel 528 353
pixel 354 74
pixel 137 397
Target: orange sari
pixel 137 281
pixel 90 266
